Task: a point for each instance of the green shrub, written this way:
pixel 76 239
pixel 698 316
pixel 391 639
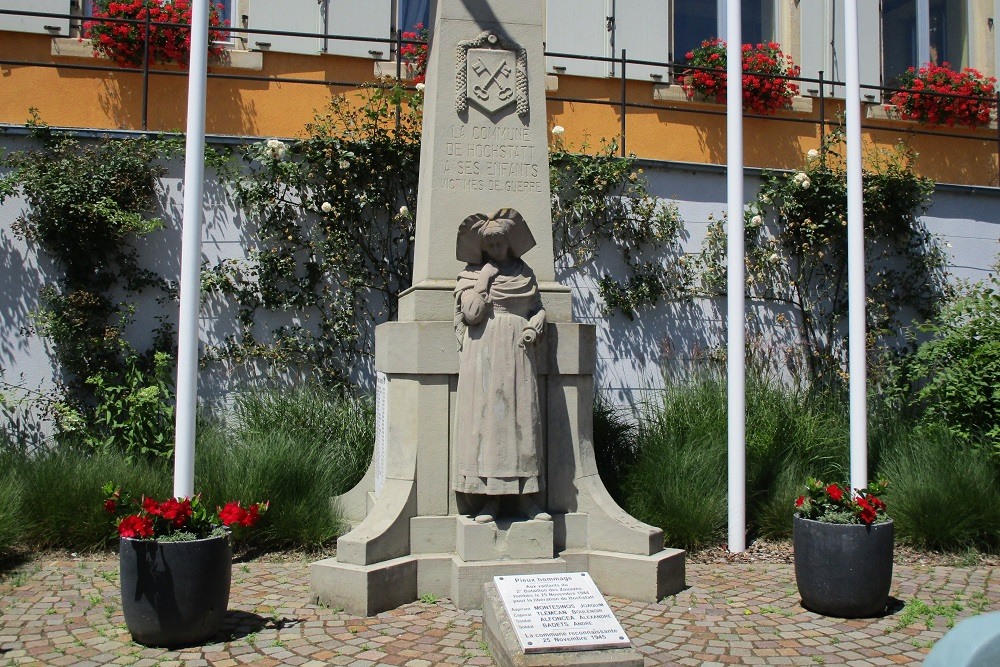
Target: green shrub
pixel 942 491
pixel 954 378
pixel 134 414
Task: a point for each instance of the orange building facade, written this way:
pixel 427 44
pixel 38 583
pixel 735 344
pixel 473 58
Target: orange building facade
pixel 272 85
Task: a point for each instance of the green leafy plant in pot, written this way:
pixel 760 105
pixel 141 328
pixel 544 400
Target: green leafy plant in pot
pixel 843 546
pixel 175 561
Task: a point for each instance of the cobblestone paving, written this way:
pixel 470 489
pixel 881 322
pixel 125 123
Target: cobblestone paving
pixel 67 612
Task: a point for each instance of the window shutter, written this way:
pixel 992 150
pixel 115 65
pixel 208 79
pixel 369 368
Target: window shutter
pixel 41 25
pixel 642 28
pixel 371 18
pixel 822 22
pixel 870 46
pixel 290 15
pixel 579 27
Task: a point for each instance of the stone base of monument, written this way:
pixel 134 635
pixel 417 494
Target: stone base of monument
pixel 453 556
pixel 501 639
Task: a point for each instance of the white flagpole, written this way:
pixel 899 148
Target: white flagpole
pixel 190 289
pixel 735 299
pixel 857 366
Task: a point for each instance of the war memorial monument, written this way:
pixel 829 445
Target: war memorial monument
pixel 484 462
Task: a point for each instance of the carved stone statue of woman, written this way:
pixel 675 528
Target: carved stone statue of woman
pixel 499 321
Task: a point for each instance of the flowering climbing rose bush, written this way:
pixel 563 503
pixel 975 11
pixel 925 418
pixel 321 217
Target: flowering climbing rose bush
pixel 834 503
pixel 766 69
pixel 176 519
pixel 169 31
pixel 925 96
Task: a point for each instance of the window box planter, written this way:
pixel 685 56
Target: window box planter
pixel 74 47
pixel 175 593
pixel 843 570
pixel 665 92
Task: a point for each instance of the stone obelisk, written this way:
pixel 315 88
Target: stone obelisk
pixel 484 149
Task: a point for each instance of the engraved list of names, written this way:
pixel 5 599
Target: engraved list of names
pixel 559 612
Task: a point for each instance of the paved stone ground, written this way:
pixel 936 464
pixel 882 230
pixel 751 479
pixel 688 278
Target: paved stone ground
pixel 67 612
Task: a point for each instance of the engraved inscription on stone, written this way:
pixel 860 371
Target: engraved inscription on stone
pixel 381 428
pixel 497 158
pixel 559 612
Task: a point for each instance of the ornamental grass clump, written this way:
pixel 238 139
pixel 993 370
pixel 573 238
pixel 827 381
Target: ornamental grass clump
pixel 169 24
pixel 939 95
pixel 176 519
pixel 834 503
pixel 766 69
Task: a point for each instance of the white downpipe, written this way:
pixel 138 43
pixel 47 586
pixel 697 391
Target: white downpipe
pixel 736 285
pixel 855 256
pixel 190 296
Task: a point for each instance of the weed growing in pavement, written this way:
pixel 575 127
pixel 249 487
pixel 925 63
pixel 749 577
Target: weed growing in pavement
pixel 917 609
pixel 429 598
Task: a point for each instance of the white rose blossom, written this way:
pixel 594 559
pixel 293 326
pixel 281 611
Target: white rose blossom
pixel 420 87
pixel 756 220
pixel 326 207
pixel 812 154
pixel 277 148
pixel 404 211
pixel 558 129
pixel 805 183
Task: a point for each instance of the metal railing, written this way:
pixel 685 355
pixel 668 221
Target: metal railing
pixel 676 72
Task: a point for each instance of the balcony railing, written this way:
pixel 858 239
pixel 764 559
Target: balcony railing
pixel 819 86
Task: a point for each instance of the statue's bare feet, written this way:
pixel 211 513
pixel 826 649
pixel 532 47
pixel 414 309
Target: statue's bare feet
pixel 488 512
pixel 531 510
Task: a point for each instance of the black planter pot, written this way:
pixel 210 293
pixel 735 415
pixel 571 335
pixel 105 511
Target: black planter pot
pixel 175 593
pixel 843 570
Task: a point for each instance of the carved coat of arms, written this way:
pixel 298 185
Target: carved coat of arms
pixel 492 74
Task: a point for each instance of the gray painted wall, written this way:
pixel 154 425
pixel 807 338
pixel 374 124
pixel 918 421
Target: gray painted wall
pixel 633 354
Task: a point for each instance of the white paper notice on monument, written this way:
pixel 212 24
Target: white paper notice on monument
pixel 559 612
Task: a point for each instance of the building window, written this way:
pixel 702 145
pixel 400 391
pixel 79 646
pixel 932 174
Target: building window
pixel 414 12
pixel 698 20
pixel 917 32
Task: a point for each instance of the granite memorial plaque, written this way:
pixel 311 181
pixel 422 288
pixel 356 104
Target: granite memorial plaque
pixel 559 612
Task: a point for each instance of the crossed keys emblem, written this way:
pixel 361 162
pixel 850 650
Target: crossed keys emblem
pixel 483 91
pixel 491 78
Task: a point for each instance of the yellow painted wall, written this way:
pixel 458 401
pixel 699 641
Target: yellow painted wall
pixel 671 131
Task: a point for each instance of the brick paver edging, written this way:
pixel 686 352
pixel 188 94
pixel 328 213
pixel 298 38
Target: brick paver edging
pixel 68 612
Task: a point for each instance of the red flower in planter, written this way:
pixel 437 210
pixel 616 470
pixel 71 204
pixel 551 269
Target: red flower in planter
pixel 150 506
pixel 766 88
pixel 135 526
pixel 938 95
pixel 177 512
pixel 415 55
pixel 181 518
pixel 169 35
pixel 831 503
